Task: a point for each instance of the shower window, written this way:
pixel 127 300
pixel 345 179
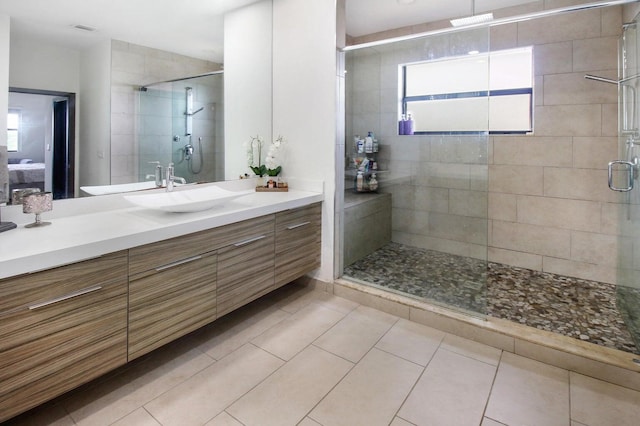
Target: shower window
pixel 445 96
pixel 13 129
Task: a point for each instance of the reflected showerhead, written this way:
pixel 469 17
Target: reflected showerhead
pixel 142 89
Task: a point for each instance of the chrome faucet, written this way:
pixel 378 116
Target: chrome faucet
pixel 170 177
pixel 158 174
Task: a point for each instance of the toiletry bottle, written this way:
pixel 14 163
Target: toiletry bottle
pixel 368 143
pixel 401 125
pixel 356 140
pixel 360 182
pixel 375 145
pixel 373 183
pixel 408 125
pixel 360 146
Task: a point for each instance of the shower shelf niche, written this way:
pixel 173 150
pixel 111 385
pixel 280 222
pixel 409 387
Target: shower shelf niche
pixel 365 163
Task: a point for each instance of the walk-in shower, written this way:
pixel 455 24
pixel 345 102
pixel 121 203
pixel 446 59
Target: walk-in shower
pixel 501 222
pixel 181 121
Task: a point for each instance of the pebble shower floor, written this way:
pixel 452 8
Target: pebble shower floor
pixel 582 309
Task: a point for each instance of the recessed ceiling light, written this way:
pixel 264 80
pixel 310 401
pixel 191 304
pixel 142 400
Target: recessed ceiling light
pixel 470 20
pixel 405 1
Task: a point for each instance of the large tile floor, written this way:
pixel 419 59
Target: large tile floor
pixel 305 357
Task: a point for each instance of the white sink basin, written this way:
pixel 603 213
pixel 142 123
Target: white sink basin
pixel 118 188
pixel 189 200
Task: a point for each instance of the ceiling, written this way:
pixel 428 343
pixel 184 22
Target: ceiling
pixel 195 27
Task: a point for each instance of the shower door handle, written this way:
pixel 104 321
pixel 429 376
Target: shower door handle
pixel 630 170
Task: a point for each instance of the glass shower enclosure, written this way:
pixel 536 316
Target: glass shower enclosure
pixel 518 226
pixel 623 176
pixel 422 229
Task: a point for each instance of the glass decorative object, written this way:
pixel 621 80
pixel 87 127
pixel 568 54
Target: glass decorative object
pixel 37 203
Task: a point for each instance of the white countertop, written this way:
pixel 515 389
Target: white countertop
pixel 84 228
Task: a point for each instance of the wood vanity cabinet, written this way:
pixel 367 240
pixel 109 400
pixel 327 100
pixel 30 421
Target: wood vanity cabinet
pixel 246 263
pixel 179 285
pixel 65 326
pixel 298 243
pixel 172 290
pixel 61 328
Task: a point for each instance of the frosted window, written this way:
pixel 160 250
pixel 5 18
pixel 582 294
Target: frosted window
pixel 475 93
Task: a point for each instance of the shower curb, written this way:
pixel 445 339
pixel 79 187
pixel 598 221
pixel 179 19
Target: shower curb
pixel 611 365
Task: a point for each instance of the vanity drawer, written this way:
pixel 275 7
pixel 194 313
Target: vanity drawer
pixel 245 271
pixel 298 242
pixel 165 252
pixel 167 304
pixel 63 328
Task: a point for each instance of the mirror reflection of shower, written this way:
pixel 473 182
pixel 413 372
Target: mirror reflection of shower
pixel 181 121
pixel 188 150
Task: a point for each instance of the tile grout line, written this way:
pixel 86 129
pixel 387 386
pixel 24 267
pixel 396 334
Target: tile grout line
pixel 424 370
pixel 285 362
pixel 352 367
pixel 493 382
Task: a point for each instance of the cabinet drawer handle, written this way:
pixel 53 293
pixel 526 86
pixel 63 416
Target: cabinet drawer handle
pixel 179 262
pixel 297 225
pixel 249 241
pixel 65 297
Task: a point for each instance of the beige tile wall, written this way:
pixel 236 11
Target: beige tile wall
pixel 558 174
pixel 548 204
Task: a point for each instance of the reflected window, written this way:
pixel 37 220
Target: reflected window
pixel 13 130
pixel 475 93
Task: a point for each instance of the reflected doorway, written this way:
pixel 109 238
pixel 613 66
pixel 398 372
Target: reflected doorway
pixel 44 154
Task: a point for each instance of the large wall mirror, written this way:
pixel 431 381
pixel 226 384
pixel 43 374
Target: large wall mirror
pixel 153 93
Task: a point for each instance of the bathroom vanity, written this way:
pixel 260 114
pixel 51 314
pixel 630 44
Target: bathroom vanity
pixel 156 276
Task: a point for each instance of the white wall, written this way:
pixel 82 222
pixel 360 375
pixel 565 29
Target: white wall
pixel 95 132
pixel 247 82
pixel 5 24
pixel 305 102
pixel 4 104
pixel 42 66
pixel 36 65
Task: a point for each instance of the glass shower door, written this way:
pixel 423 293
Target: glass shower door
pixel 423 231
pixel 623 178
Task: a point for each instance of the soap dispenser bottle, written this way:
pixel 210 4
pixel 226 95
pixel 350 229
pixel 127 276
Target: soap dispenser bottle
pixel 360 181
pixel 373 183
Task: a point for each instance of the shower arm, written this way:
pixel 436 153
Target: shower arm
pixel 608 80
pixel 191 114
pixel 620 83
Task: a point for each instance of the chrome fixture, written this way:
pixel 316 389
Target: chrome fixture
pixel 188 154
pixel 627 92
pixel 188 151
pixel 157 176
pixel 189 113
pixel 144 88
pixel 172 178
pixel 495 22
pixel 630 167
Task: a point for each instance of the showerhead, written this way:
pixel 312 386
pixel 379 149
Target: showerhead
pixel 142 89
